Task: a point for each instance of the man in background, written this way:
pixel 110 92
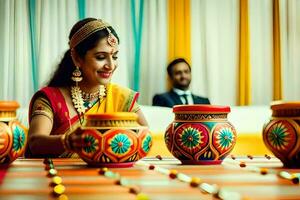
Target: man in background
pixel 180 75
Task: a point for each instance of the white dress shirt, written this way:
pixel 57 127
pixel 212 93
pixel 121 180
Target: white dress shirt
pixel 188 94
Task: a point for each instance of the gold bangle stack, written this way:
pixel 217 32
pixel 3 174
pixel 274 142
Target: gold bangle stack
pixel 65 142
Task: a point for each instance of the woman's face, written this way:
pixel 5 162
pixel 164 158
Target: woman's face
pixel 99 64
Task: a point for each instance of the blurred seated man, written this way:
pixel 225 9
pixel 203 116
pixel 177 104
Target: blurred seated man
pixel 179 72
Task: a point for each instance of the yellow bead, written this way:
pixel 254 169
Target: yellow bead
pixel 59 189
pixel 195 182
pixel 57 180
pixel 142 196
pixel 63 197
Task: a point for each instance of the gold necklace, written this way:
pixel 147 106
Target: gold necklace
pixel 77 99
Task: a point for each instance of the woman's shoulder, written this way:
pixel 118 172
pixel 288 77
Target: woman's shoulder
pixel 51 93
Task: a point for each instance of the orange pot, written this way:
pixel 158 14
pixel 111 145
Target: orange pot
pixel 200 134
pixel 13 135
pixel 114 140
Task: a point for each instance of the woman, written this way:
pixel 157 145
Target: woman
pixel 80 85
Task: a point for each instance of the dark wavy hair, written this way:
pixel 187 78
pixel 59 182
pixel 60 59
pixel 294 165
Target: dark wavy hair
pixel 174 62
pixel 62 75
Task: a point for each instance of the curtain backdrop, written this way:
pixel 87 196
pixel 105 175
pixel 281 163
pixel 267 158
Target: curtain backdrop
pixel 34 37
pixel 154 51
pixel 53 21
pixel 215 49
pixel 290 34
pixel 15 56
pixel 261 44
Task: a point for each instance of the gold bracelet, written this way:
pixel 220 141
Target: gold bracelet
pixel 65 142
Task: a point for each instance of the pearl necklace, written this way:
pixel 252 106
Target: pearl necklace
pixel 78 100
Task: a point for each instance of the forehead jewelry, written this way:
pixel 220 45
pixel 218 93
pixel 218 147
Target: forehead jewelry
pixel 111 39
pixel 88 29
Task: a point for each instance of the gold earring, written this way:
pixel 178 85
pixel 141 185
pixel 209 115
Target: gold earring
pixel 76 75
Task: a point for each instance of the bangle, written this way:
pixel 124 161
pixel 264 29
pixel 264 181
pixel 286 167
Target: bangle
pixel 65 142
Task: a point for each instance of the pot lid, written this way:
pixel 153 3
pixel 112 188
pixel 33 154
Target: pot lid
pixel 9 105
pixel 282 105
pixel 112 116
pixel 201 108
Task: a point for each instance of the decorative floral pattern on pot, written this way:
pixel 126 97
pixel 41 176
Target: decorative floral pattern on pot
pixel 281 134
pixel 13 135
pixel 120 143
pixel 200 134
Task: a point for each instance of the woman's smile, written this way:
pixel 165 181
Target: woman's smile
pixel 103 74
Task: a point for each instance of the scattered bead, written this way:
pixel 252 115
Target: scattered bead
pixel 49 166
pixel 151 167
pixel 250 157
pixel 242 164
pixel 263 171
pixel 103 170
pixel 268 157
pixel 134 190
pixel 233 157
pixel 63 197
pixel 56 180
pixel 195 182
pixel 118 182
pixel 295 179
pixel 173 174
pixel 52 172
pixel 46 161
pixel 59 189
pixel 159 157
pixel 142 196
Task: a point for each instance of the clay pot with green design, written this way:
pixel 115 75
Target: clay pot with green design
pixel 281 134
pixel 114 140
pixel 13 135
pixel 200 134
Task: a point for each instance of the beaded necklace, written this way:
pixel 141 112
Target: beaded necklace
pixel 83 101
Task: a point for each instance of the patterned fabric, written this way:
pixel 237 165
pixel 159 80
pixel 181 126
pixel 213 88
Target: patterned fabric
pixel 50 102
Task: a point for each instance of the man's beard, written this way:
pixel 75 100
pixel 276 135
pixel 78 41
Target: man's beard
pixel 182 86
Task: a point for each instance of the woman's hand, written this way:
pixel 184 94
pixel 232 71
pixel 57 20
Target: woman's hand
pixel 74 141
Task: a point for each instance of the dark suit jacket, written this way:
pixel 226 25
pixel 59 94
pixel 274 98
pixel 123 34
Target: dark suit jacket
pixel 170 99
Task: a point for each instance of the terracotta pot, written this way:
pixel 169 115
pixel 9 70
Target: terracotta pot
pixel 13 135
pixel 200 134
pixel 281 134
pixel 114 140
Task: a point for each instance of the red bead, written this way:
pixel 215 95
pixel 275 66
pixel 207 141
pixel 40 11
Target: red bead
pixel 159 157
pixel 151 167
pixel 173 174
pixel 242 164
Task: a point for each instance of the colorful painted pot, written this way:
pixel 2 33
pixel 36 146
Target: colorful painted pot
pixel 13 135
pixel 114 140
pixel 200 134
pixel 281 134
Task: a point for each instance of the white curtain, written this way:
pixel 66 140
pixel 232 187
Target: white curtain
pixel 214 29
pixel 54 20
pixel 290 46
pixel 117 14
pixel 15 57
pixel 261 51
pixel 154 50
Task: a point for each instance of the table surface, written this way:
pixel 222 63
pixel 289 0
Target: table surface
pixel 152 178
